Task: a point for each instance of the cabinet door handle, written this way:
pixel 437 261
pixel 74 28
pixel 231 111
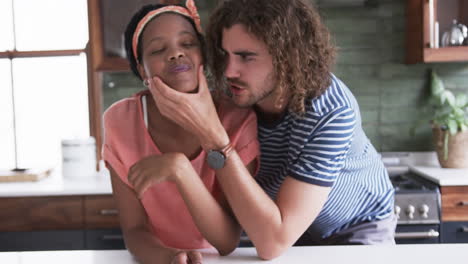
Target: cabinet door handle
pixel 111 237
pixel 463 203
pixel 464 229
pixel 109 212
pixel 412 235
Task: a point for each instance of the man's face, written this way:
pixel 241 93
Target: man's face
pixel 249 68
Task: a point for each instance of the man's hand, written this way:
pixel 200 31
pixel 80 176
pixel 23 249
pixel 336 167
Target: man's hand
pixel 157 168
pixel 195 112
pixel 187 257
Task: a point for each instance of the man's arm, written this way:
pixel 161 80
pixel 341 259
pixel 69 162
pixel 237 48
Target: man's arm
pixel 273 226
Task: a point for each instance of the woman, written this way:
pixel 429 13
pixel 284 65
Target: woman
pixel 167 195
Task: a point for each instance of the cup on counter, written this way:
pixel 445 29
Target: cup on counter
pixel 79 157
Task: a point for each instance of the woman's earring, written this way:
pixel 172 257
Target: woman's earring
pixel 146 82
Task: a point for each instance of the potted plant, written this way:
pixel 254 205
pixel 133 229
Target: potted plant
pixel 449 125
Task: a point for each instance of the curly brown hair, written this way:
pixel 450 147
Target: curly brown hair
pixel 298 41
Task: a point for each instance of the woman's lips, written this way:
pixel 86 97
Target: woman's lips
pixel 178 68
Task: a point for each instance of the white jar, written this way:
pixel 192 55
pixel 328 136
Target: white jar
pixel 79 157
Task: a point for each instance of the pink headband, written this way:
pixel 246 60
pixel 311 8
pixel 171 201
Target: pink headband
pixel 190 11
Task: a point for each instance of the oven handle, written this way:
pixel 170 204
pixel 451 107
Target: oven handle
pixel 411 235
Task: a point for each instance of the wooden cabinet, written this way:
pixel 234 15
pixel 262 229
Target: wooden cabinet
pixel 100 212
pixel 419 32
pixel 454 214
pixel 59 223
pixel 40 213
pixel 454 203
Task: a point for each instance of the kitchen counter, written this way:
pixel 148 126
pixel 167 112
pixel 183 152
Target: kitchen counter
pixel 56 185
pixel 426 165
pixel 442 176
pixel 427 254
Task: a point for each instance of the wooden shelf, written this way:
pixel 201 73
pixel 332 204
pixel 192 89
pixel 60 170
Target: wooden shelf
pixel 446 54
pixel 418 30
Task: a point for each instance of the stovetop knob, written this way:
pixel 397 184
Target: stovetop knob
pixel 397 211
pixel 424 210
pixel 410 211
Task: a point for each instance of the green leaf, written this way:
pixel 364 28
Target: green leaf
pixel 453 126
pixel 448 97
pixel 461 100
pixel 437 86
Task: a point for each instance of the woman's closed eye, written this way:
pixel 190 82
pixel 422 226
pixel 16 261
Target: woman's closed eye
pixel 190 44
pixel 157 51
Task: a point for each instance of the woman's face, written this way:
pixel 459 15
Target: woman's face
pixel 171 51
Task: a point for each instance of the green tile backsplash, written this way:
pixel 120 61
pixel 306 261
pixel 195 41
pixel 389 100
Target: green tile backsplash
pixel 393 96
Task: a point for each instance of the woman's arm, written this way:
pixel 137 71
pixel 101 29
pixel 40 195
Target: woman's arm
pixel 213 218
pixel 214 221
pixel 133 221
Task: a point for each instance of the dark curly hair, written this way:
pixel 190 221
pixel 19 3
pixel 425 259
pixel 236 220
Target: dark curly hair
pixel 131 27
pixel 298 41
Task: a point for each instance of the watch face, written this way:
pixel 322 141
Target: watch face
pixel 215 159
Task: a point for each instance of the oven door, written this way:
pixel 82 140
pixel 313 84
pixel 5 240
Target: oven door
pixel 417 234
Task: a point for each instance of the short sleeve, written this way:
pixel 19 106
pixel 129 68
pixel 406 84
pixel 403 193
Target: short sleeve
pixel 323 155
pixel 109 155
pixel 246 144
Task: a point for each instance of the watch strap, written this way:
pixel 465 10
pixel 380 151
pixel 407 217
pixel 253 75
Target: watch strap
pixel 226 150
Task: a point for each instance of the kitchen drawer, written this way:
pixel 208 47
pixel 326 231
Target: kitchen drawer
pixel 100 212
pixel 454 203
pixel 42 240
pixel 455 232
pixel 104 239
pixel 41 213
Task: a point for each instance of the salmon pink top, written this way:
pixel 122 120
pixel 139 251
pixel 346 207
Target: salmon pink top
pixel 127 140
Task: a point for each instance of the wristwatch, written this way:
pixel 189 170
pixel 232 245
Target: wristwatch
pixel 216 159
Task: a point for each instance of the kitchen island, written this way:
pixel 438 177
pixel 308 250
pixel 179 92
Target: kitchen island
pixel 427 254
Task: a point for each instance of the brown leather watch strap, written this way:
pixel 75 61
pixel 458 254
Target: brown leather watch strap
pixel 227 150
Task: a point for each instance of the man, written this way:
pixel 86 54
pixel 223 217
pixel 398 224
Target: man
pixel 320 179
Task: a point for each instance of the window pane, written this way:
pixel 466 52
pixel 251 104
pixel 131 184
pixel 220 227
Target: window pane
pixel 51 98
pixel 7 149
pixel 6 26
pixel 51 24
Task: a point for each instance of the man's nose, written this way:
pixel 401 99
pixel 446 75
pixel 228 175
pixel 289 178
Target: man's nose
pixel 232 70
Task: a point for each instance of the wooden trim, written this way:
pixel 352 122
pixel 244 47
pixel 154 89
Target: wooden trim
pixel 95 33
pixel 95 106
pixel 40 53
pixel 101 62
pixel 414 33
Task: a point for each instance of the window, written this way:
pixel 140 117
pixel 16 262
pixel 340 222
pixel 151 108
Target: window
pixel 43 80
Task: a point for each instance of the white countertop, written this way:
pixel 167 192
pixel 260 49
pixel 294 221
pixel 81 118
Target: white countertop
pixel 400 254
pixel 56 185
pixel 442 176
pixel 427 166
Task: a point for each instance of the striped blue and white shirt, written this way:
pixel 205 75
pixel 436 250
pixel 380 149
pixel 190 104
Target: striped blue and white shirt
pixel 328 147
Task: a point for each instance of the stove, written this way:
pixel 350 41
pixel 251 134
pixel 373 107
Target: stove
pixel 417 205
pixel 417 201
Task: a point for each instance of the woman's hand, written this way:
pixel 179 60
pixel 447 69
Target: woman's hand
pixel 157 168
pixel 195 112
pixel 187 257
